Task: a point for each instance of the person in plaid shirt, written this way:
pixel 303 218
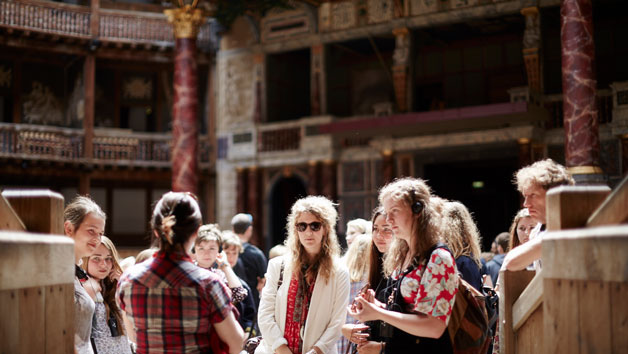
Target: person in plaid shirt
pixel 176 306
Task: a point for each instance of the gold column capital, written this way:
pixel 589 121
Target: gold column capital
pixel 402 31
pixel 530 11
pixel 186 21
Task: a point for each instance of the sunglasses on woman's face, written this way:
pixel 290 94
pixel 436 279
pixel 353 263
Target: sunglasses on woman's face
pixel 314 226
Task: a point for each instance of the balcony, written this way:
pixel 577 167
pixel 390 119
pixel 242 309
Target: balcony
pixel 74 22
pixel 112 147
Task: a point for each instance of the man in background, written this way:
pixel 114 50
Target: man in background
pixel 252 263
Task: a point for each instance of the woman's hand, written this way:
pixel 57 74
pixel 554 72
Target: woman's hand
pixel 283 349
pixel 364 310
pixel 221 261
pixel 370 347
pixel 355 333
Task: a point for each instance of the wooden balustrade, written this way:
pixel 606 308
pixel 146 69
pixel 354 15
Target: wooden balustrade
pixel 577 302
pixel 280 139
pixel 44 16
pixel 36 281
pixel 74 21
pixel 554 104
pixel 110 146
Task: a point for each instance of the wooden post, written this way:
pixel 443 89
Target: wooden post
pixel 37 294
pixel 40 210
pixel 17 91
pixel 9 220
pixel 569 207
pixel 511 285
pixel 88 121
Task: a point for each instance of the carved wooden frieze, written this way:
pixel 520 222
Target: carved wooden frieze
pixel 5 76
pixel 41 106
pixel 380 10
pixel 421 7
pixel 337 16
pixel 236 87
pixel 137 88
pixel 285 24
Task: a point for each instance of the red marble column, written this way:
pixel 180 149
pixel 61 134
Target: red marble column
pixel 184 118
pixel 582 145
pixel 186 21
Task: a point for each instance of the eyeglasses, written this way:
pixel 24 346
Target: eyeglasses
pixel 314 226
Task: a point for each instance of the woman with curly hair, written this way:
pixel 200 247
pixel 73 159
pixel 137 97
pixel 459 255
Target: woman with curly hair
pixel 423 279
pixel 303 303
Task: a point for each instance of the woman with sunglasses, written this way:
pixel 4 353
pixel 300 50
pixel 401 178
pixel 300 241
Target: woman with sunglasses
pixel 423 279
pixel 303 303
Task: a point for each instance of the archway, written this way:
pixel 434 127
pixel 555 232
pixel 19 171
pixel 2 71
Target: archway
pixel 284 193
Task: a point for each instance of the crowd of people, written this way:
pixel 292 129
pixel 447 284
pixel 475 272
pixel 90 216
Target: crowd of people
pixel 206 290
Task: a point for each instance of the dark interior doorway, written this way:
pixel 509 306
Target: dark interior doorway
pixel 284 193
pixel 485 187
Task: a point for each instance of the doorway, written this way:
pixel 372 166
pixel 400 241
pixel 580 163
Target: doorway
pixel 284 193
pixel 484 186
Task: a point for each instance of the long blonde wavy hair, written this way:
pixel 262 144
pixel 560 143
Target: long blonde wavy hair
pixel 324 210
pixel 460 232
pixel 425 228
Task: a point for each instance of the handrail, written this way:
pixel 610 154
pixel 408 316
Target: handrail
pixel 529 300
pixel 75 21
pixel 614 209
pixel 116 146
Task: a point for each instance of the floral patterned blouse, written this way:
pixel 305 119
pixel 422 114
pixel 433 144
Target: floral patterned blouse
pixel 431 288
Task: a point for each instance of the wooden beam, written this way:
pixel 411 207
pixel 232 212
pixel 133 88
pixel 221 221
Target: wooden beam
pixel 40 210
pixel 9 220
pixel 569 207
pixel 614 210
pixel 511 285
pixel 528 301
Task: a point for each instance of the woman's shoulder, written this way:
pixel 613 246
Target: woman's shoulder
pixel 442 256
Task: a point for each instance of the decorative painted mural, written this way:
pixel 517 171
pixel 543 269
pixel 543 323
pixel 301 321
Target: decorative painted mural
pixel 5 76
pixel 42 107
pixel 137 88
pixel 236 85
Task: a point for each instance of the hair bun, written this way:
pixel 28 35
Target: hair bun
pixel 166 226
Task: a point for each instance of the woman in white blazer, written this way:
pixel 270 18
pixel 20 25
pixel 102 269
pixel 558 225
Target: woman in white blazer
pixel 303 304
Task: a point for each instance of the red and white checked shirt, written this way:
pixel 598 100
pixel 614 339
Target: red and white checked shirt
pixel 173 303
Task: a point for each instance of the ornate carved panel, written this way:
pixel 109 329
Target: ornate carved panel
pixel 285 24
pixel 41 106
pixel 236 87
pixel 421 7
pixel 337 16
pixel 380 10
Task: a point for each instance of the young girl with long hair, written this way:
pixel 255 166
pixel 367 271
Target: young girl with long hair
pixel 103 267
pixel 84 222
pixel 307 290
pixel 423 279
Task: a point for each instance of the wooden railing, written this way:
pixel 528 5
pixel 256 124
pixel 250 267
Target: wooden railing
pixel 280 139
pixel 74 21
pixel 45 16
pixel 554 104
pixel 110 146
pixel 577 302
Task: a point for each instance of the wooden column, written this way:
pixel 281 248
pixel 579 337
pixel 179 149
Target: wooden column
pixel 17 91
pixel 401 59
pixel 388 166
pixel 253 199
pixel 186 21
pixel 258 60
pixel 317 78
pixel 328 179
pixel 582 143
pixel 532 48
pixel 84 183
pixel 525 152
pixel 89 74
pixel 624 154
pixel 313 177
pixel 241 190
